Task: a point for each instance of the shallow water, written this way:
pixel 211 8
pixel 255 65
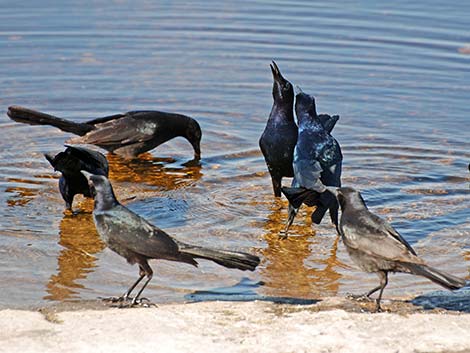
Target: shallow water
pixel 397 74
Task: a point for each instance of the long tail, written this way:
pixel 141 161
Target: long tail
pixel 444 279
pixel 226 258
pixel 33 117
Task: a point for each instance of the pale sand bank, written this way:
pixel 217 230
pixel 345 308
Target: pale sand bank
pixel 233 327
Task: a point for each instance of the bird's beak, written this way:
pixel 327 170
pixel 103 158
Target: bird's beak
pixel 298 90
pixel 276 72
pixel 86 174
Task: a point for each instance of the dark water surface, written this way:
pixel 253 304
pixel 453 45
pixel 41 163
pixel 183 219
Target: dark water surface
pixel 398 74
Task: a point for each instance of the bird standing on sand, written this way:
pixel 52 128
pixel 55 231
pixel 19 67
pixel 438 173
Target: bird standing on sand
pixel 317 164
pixel 375 246
pixel 127 135
pixel 280 135
pixel 70 163
pixel 138 241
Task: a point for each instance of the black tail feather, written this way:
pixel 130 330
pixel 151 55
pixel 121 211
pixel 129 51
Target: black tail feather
pixel 318 214
pixel 444 279
pixel 226 258
pixel 33 117
pixel 328 121
pixel 298 196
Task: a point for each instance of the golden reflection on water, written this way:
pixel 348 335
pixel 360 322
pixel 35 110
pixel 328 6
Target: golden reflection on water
pixel 151 171
pixel 80 242
pixel 295 267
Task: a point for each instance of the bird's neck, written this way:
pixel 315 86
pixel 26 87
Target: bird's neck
pixel 309 121
pixel 105 201
pixel 281 113
pixel 355 204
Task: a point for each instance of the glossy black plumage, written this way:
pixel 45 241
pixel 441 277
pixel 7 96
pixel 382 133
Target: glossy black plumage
pixel 280 134
pixel 128 134
pixel 70 162
pixel 375 246
pixel 317 163
pixel 138 241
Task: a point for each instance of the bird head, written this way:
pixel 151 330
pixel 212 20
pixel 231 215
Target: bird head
pixel 282 89
pixel 304 104
pixel 101 190
pixel 193 135
pixel 349 197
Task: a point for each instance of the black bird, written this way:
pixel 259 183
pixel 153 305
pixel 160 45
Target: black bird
pixel 138 241
pixel 317 164
pixel 127 135
pixel 280 135
pixel 70 163
pixel 375 246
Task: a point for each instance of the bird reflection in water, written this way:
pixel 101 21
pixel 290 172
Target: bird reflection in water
pixel 80 242
pixel 302 266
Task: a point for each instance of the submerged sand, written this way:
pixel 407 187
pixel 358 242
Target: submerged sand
pixel 234 327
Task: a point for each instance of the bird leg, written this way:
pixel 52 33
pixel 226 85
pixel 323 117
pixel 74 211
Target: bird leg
pixel 136 300
pixel 145 270
pixel 383 282
pixel 364 296
pixel 334 218
pixel 276 185
pixel 125 296
pixel 292 213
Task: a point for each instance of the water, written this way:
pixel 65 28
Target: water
pixel 398 75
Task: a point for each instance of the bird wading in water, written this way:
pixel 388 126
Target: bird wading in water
pixel 317 165
pixel 138 241
pixel 127 135
pixel 280 134
pixel 70 162
pixel 375 246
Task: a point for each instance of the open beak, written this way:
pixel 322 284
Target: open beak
pixel 87 175
pixel 276 73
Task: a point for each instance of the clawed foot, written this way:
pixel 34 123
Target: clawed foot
pixel 143 302
pixel 283 235
pixel 128 302
pixel 359 297
pixel 115 299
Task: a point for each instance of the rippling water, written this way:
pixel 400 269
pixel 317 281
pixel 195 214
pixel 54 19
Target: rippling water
pixel 398 75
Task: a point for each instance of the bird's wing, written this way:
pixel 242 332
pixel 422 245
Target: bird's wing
pixel 307 174
pixel 122 131
pixel 331 152
pixel 92 161
pixel 373 236
pixel 133 232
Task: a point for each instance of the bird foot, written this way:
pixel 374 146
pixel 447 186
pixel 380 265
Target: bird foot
pixel 129 302
pixel 283 235
pixel 115 299
pixel 141 302
pixel 359 297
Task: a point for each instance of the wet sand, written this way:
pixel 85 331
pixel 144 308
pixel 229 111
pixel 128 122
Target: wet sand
pixel 331 325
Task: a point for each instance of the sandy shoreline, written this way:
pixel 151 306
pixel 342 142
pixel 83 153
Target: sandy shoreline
pixel 332 325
